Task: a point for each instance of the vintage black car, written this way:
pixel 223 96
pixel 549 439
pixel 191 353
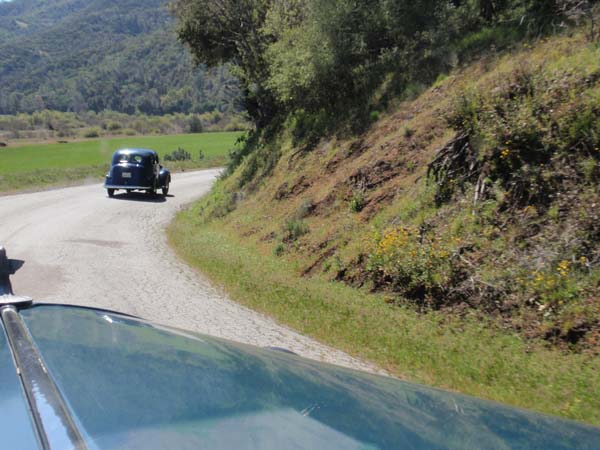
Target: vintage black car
pixel 137 169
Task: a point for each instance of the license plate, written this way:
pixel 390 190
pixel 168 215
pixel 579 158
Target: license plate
pixel 126 174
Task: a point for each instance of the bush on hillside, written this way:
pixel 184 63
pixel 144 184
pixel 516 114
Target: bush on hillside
pixel 293 229
pixel 526 158
pixel 528 138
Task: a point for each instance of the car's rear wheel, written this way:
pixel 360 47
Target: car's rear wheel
pixel 110 192
pixel 165 189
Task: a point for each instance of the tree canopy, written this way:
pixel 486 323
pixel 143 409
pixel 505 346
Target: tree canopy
pixel 338 57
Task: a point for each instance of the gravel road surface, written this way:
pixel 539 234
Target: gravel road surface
pixel 81 247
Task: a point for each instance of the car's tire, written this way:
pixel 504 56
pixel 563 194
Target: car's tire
pixel 165 190
pixel 111 192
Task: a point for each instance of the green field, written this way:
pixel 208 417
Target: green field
pixel 43 165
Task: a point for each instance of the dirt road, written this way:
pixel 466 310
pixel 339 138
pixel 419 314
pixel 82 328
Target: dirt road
pixel 81 247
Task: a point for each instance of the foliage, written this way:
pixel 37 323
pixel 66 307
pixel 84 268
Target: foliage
pixel 528 138
pixel 255 159
pixel 357 202
pixel 230 31
pixel 92 133
pixel 415 263
pixel 510 199
pixel 178 155
pixel 335 54
pixel 244 145
pixel 306 54
pixel 318 68
pixel 195 124
pixel 507 296
pixel 120 55
pixel 47 124
pixel 293 229
pixel 525 155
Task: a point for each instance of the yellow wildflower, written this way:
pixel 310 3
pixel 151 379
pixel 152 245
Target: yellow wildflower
pixel 563 268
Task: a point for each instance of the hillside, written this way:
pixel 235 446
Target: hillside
pixel 122 55
pixel 455 241
pixel 458 200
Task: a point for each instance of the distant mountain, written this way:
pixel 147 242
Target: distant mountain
pixel 77 55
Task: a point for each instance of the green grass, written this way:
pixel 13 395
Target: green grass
pixel 34 166
pixel 463 355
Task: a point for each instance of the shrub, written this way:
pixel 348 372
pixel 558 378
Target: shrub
pixel 279 249
pixel 590 169
pixel 413 90
pixel 293 229
pixel 196 125
pixel 258 164
pixel 553 285
pixel 178 155
pixel 528 138
pixel 244 145
pixel 357 202
pixel 409 262
pixel 335 265
pixel 92 133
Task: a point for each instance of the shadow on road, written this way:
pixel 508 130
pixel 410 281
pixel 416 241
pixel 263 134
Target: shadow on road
pixel 142 197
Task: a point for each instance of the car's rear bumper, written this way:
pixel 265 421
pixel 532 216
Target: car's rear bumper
pixel 127 187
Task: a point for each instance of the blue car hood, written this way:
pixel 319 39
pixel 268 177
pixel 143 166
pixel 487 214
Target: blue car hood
pixel 132 385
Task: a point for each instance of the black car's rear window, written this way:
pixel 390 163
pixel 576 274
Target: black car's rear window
pixel 128 158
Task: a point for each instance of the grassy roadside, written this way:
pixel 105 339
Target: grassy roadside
pixel 47 165
pixel 466 356
pixel 507 295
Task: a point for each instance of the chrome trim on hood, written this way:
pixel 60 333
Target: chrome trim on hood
pixel 56 428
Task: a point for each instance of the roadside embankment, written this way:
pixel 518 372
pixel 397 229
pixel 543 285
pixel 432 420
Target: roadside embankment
pixel 455 243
